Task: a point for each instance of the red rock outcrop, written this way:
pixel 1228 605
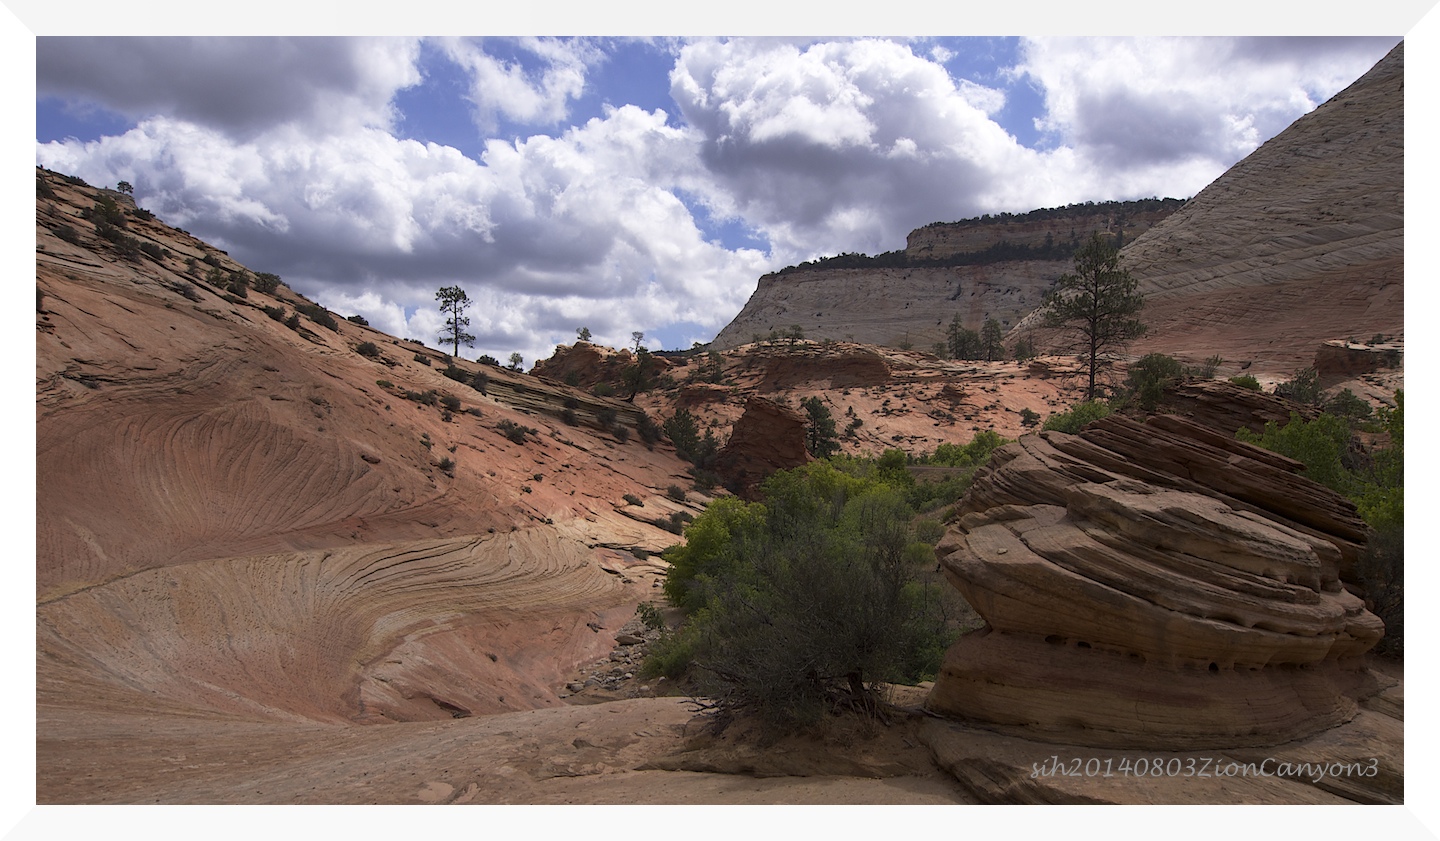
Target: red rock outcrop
pixel 767 438
pixel 1337 361
pixel 1154 585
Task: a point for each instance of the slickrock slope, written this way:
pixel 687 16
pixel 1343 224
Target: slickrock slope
pixel 914 304
pixel 1299 243
pixel 238 518
pixel 1154 585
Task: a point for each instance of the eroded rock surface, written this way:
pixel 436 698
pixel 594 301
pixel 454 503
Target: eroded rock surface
pixel 767 438
pixel 1154 585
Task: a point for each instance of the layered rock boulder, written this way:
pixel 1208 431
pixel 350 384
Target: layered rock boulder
pixel 767 438
pixel 1154 585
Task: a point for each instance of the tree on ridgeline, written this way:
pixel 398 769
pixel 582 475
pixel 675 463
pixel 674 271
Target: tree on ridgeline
pixel 453 303
pixel 1096 304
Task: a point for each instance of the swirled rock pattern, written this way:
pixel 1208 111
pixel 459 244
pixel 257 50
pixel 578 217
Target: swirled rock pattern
pixel 1154 585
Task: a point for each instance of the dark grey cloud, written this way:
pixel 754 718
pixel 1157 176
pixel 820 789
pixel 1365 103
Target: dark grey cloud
pixel 242 86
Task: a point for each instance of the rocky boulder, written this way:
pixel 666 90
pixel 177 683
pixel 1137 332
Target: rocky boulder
pixel 768 437
pixel 1154 585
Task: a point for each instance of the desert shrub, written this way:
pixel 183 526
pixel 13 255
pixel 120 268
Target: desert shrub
pixel 1246 381
pixel 603 390
pixel 293 322
pixel 422 359
pixel 621 433
pixel 607 417
pixel 74 179
pixel 369 349
pixel 267 282
pixel 801 603
pixel 454 372
pixel 1205 370
pixel 1079 416
pixel 514 431
pixel 358 319
pixel 450 402
pixel 384 383
pixel 973 454
pixel 684 433
pixel 632 499
pixel 568 416
pixel 1148 378
pixel 1348 406
pixel 1303 388
pixel 211 260
pixel 446 464
pixel 275 313
pixel 487 359
pixel 650 615
pixel 106 211
pixel 475 411
pixel 648 429
pixel 43 189
pixel 320 316
pixel 676 493
pixel 675 522
pixel 1024 350
pixel 154 251
pixel 1029 418
pixel 68 234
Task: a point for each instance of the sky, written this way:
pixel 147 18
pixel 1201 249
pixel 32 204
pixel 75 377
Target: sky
pixel 639 184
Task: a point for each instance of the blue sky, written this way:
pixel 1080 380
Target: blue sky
pixel 640 184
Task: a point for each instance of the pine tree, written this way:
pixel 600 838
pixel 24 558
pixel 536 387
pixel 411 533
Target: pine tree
pixel 453 302
pixel 1097 304
pixel 990 341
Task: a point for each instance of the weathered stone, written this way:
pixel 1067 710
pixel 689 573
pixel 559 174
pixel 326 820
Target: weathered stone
pixel 767 438
pixel 1145 585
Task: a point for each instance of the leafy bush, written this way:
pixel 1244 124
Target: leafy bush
pixel 358 319
pixel 68 234
pixel 632 499
pixel 293 322
pixel 267 282
pixel 1303 388
pixel 514 431
pixel 621 433
pixel 648 429
pixel 422 359
pixel 154 251
pixel 446 464
pixel 1150 376
pixel 1246 381
pixel 801 603
pixel 319 315
pixel 603 390
pixel 1079 416
pixel 607 417
pixel 1029 418
pixel 972 454
pixel 568 416
pixel 650 616
pixel 1348 406
pixel 369 349
pixel 450 402
pixel 676 493
pixel 384 383
pixel 480 382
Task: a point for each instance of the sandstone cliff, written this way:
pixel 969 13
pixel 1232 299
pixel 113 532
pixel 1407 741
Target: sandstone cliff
pixel 1301 242
pixel 950 268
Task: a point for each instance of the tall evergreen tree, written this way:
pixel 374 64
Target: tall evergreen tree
pixel 1097 304
pixel 453 303
pixel 990 341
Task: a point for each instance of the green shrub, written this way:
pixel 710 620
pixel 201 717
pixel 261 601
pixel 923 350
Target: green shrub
pixel 514 431
pixel 632 499
pixel 369 349
pixel 358 319
pixel 422 359
pixel 1348 406
pixel 267 282
pixel 155 252
pixel 384 383
pixel 676 493
pixel 1148 378
pixel 1304 388
pixel 603 390
pixel 293 322
pixel 1029 418
pixel 1079 416
pixel 621 433
pixel 568 416
pixel 820 437
pixel 68 234
pixel 1246 381
pixel 607 417
pixel 650 616
pixel 446 464
pixel 319 315
pixel 799 604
